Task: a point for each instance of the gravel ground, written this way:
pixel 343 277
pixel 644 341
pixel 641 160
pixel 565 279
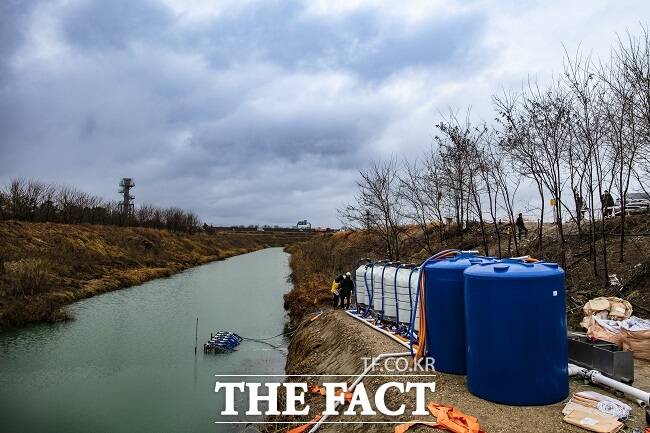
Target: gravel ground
pixel 335 343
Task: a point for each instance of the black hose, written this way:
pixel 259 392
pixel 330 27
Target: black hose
pixel 264 342
pixel 270 338
pixel 265 339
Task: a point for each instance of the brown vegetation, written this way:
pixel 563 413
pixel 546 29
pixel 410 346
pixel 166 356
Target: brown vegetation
pixel 45 266
pixel 314 263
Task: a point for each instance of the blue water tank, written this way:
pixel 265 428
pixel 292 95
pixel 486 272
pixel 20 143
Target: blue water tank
pixel 516 333
pixel 445 310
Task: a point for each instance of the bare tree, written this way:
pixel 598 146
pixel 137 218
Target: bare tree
pixel 378 204
pixel 412 191
pixel 514 137
pixel 589 129
pixel 623 120
pixel 487 167
pixel 537 136
pixel 457 144
pixel 36 201
pixel 434 188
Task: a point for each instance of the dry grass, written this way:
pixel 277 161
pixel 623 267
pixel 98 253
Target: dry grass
pixel 45 266
pixel 316 262
pixel 27 277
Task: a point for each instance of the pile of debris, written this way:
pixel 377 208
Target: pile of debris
pixel 610 319
pixel 596 412
pixel 604 356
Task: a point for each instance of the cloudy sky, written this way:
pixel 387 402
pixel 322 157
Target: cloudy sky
pixel 262 111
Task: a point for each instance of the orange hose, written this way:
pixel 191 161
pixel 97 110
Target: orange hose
pixel 419 354
pixel 448 418
pixel 423 324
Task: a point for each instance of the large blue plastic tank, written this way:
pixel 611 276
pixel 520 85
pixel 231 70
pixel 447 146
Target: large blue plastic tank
pixel 516 333
pixel 445 310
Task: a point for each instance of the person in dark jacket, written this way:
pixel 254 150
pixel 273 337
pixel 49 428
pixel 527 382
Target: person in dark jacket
pixel 607 202
pixel 347 286
pixel 521 227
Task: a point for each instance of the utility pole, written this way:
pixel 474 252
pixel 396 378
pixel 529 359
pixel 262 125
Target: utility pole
pixel 127 201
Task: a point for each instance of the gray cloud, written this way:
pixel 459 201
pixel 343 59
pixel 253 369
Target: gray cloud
pixel 261 112
pixel 106 25
pixel 13 14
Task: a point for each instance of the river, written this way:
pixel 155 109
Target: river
pixel 127 364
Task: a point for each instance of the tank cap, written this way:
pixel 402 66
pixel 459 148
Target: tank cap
pixel 475 261
pixel 501 268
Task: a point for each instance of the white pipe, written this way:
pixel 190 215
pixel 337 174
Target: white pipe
pixel 377 328
pixel 574 370
pixel 358 380
pixel 596 377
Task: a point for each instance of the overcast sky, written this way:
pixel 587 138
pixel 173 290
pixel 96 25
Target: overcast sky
pixel 262 111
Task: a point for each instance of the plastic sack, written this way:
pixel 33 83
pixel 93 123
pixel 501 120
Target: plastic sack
pixel 608 308
pixel 632 334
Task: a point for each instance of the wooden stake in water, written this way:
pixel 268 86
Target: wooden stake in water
pixel 196 335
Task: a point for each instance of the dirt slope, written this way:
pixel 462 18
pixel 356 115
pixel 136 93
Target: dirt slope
pixel 44 266
pixel 334 344
pixel 315 263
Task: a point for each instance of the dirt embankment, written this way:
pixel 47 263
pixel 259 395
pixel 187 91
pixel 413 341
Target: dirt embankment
pixel 335 344
pixel 45 266
pixel 315 263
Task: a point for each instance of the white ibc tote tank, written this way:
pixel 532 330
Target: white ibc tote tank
pixel 368 280
pixel 377 273
pixel 406 281
pixel 361 281
pixel 414 279
pixel 389 304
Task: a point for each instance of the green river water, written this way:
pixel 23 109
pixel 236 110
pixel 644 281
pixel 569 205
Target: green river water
pixel 127 364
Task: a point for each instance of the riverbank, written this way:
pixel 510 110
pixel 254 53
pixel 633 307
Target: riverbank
pixel 316 262
pixel 127 363
pixel 46 266
pixel 335 344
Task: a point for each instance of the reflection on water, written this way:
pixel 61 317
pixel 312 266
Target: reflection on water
pixel 127 363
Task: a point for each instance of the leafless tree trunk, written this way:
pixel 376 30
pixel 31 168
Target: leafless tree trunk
pixel 622 117
pixel 378 197
pixel 588 129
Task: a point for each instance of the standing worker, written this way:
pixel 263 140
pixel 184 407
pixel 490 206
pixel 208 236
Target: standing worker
pixel 607 202
pixel 347 286
pixel 521 227
pixel 336 289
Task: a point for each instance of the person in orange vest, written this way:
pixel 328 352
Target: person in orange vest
pixel 336 290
